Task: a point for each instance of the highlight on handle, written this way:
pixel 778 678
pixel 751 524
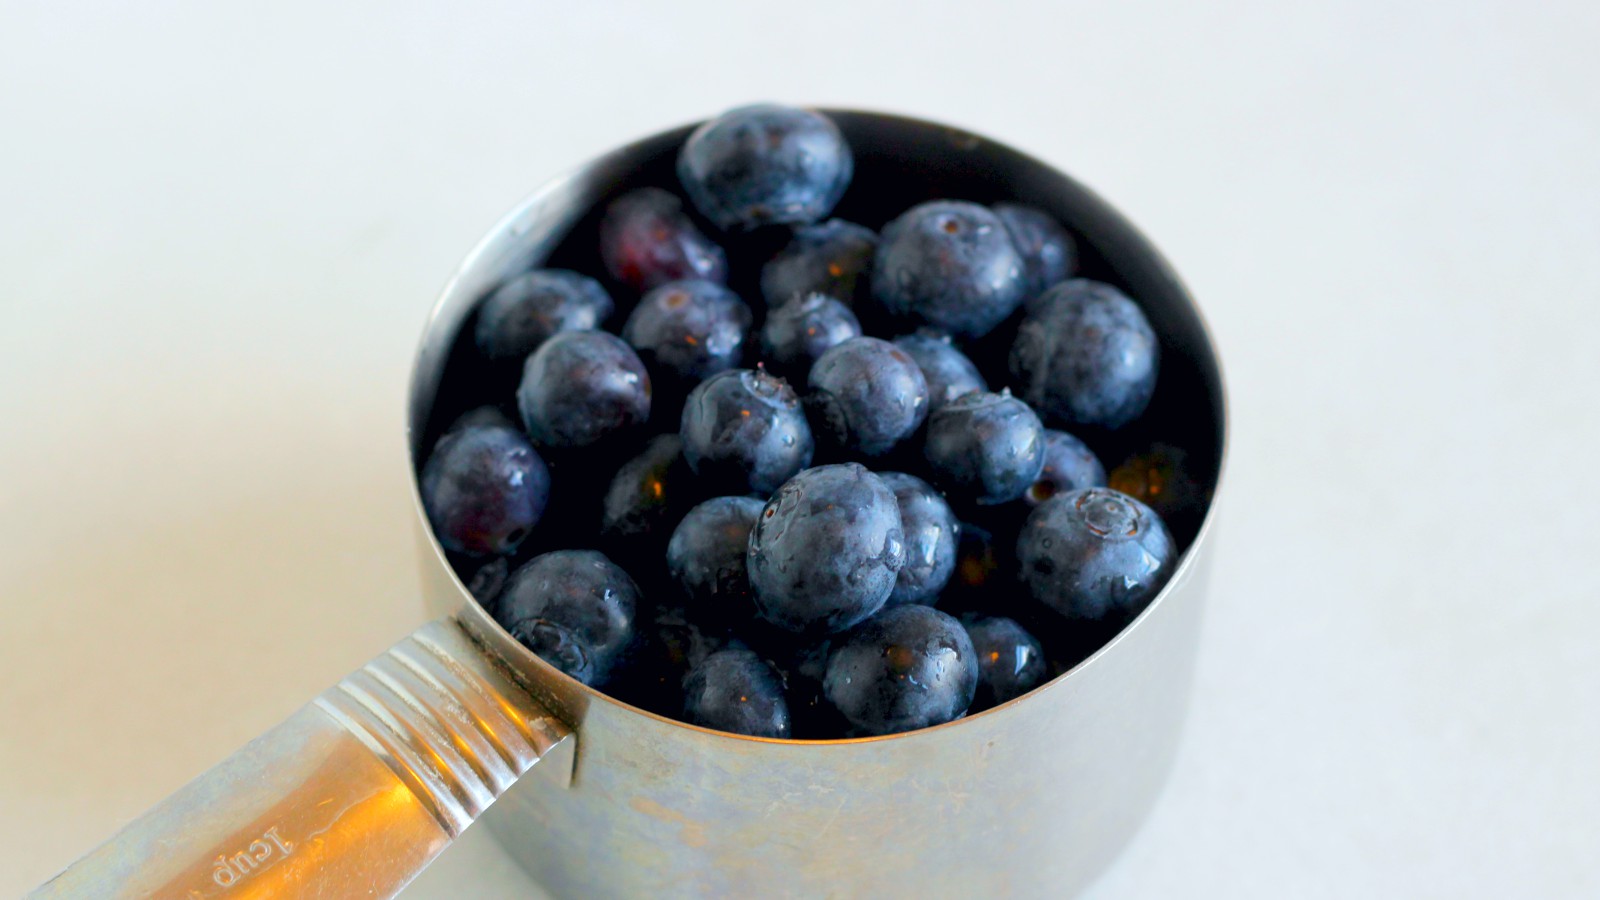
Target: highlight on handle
pixel 351 796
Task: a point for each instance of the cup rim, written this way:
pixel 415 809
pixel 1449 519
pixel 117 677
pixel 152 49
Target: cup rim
pixel 511 221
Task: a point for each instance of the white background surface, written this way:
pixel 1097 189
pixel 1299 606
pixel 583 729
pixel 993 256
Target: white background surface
pixel 220 230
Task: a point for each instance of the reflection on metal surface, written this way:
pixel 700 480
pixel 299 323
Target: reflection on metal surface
pixel 230 869
pixel 352 796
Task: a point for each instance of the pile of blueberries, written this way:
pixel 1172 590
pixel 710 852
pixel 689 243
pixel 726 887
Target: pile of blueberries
pixel 774 522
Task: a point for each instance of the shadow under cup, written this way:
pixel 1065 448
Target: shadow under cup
pixel 1032 798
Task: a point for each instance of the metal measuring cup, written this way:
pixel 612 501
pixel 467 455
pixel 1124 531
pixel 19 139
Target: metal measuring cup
pixel 359 790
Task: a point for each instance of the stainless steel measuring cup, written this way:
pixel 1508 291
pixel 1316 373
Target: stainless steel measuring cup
pixel 359 790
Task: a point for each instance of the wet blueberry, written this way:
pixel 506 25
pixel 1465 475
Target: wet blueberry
pixel 481 416
pixel 980 566
pixel 526 310
pixel 1093 554
pixel 646 496
pixel 906 668
pixel 647 240
pixel 985 448
pixel 484 488
pixel 745 431
pixel 832 258
pixel 484 578
pixel 1049 254
pixel 930 531
pixel 1161 478
pixel 707 558
pixel 802 669
pixel 801 330
pixel 687 331
pixel 810 614
pixel 985 576
pixel 1010 660
pixel 949 264
pixel 736 690
pixel 867 395
pixel 574 608
pixel 765 165
pixel 580 387
pixel 1086 355
pixel 669 645
pixel 947 370
pixel 1069 465
pixel 826 550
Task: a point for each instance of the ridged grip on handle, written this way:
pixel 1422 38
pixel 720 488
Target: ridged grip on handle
pixel 352 796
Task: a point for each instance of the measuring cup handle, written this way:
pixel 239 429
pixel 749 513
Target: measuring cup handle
pixel 353 795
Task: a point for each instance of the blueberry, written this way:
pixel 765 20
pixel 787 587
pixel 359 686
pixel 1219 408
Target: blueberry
pixel 906 668
pixel 484 578
pixel 985 576
pixel 980 566
pixel 1049 254
pixel 579 482
pixel 745 431
pixel 669 645
pixel 1093 554
pixel 765 165
pixel 484 488
pixel 526 310
pixel 833 258
pixel 580 387
pixel 646 240
pixel 736 690
pixel 707 558
pixel 801 330
pixel 947 371
pixel 987 448
pixel 574 608
pixel 1086 355
pixel 949 264
pixel 802 669
pixel 1162 479
pixel 1069 465
pixel 930 531
pixel 1010 660
pixel 483 415
pixel 646 495
pixel 826 550
pixel 686 331
pixel 868 395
